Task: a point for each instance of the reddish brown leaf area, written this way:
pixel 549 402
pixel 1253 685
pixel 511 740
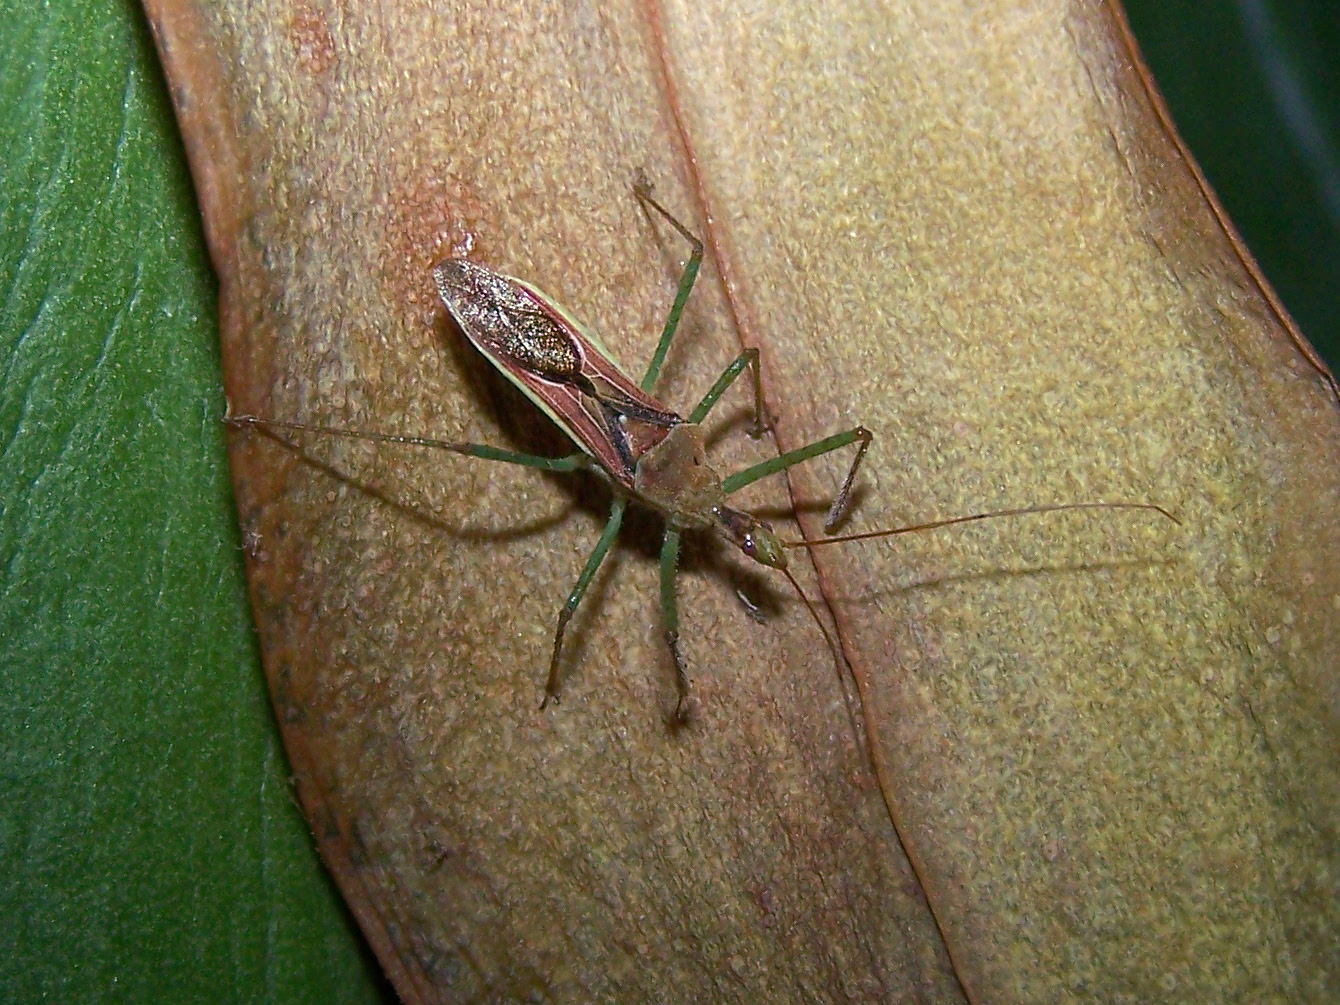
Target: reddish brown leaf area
pixel 1084 755
pixel 311 39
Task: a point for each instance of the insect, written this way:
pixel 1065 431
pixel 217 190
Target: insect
pixel 642 448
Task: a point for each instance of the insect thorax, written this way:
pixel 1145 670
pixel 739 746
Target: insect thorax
pixel 674 476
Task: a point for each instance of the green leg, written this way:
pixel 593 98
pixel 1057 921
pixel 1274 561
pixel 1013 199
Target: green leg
pixel 748 358
pixel 791 458
pixel 670 616
pixel 642 189
pixel 572 462
pixel 575 597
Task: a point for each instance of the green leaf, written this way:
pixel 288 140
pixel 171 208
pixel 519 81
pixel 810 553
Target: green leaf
pixel 152 848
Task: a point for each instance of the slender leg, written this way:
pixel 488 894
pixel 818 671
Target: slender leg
pixel 571 462
pixel 670 616
pixel 748 358
pixel 642 189
pixel 818 448
pixel 575 597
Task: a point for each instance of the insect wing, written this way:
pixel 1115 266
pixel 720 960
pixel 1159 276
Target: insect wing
pixel 556 363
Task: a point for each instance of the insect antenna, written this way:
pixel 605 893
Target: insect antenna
pixel 839 660
pixel 933 524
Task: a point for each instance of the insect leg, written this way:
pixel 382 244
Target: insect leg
pixel 818 448
pixel 748 358
pixel 575 597
pixel 642 189
pixel 572 462
pixel 670 615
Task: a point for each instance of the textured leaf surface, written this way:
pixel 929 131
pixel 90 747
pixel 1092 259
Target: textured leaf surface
pixel 1101 751
pixel 151 848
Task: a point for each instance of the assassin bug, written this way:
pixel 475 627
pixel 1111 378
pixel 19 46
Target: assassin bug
pixel 642 448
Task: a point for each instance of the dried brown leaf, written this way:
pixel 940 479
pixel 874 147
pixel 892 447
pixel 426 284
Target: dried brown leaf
pixel 1088 755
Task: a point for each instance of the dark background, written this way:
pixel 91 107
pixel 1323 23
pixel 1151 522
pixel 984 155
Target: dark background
pixel 1254 87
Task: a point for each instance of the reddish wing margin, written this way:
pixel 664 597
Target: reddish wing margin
pixel 557 364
